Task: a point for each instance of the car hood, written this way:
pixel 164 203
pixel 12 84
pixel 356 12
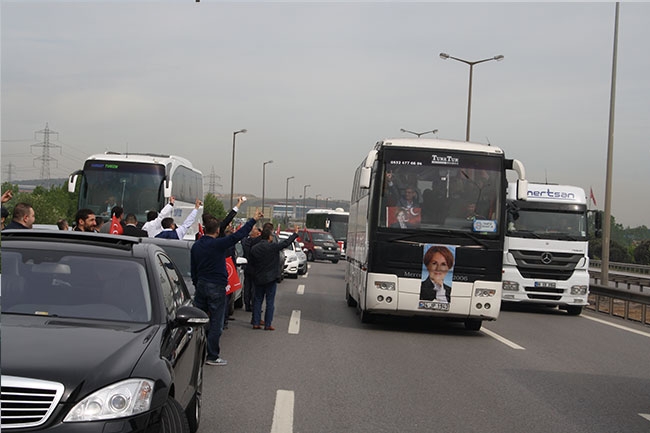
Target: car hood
pixel 82 355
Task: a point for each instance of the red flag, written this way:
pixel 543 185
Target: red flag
pixel 200 232
pixel 116 226
pixel 233 277
pixel 591 196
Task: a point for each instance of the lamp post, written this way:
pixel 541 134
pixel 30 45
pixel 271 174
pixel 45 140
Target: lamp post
pixel 286 203
pixel 304 198
pixel 264 182
pixel 327 201
pixel 316 205
pixel 419 134
pixel 445 56
pixel 232 168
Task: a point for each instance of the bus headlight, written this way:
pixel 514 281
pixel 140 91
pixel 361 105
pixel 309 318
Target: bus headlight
pixel 579 290
pixel 510 285
pixel 384 285
pixel 484 293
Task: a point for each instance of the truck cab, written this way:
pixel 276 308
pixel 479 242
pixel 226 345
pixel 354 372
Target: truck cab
pixel 545 257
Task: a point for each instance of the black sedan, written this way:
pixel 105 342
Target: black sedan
pixel 98 335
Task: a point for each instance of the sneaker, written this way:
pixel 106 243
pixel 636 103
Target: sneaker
pixel 217 361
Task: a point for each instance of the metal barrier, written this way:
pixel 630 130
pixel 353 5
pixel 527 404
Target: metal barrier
pixel 618 303
pixel 623 267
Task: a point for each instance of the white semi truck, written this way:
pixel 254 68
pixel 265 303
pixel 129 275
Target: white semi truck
pixel 545 257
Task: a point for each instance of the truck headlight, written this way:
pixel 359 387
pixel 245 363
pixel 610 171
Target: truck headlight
pixel 484 293
pixel 118 400
pixel 511 285
pixel 579 290
pixel 384 285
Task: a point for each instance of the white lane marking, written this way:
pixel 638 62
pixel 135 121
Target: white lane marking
pixel 615 325
pixel 501 339
pixel 283 412
pixel 645 415
pixel 294 322
pixel 301 289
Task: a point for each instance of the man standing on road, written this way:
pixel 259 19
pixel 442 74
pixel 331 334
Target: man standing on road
pixel 210 278
pixel 248 270
pixel 85 221
pixel 172 231
pixel 131 228
pixel 153 226
pixel 23 217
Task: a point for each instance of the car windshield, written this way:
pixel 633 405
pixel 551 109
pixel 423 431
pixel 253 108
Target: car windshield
pixel 323 237
pixel 63 284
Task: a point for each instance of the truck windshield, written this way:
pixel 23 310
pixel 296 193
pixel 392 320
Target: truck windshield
pixel 441 190
pixel 547 224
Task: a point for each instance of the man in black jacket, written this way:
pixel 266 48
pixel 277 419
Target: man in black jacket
pixel 266 260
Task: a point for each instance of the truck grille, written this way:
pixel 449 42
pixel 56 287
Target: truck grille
pixel 28 402
pixel 546 265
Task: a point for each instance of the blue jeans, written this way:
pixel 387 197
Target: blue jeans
pixel 264 291
pixel 211 298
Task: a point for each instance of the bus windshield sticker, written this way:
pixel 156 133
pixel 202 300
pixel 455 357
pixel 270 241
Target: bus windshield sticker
pixel 402 218
pixel 437 275
pixel 484 226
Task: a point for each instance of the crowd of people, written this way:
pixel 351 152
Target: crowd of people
pixel 208 256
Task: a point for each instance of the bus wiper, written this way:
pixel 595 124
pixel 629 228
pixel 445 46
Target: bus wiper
pixel 451 233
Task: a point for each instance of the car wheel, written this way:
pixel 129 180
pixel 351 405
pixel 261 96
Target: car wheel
pixel 172 418
pixel 335 261
pixel 473 324
pixel 193 411
pixel 310 256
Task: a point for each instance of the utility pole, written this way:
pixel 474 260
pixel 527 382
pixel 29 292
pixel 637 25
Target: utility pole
pixel 10 167
pixel 45 157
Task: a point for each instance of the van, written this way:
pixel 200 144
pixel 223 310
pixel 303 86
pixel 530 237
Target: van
pixel 319 245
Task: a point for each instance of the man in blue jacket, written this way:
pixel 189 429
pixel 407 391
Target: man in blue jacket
pixel 210 277
pixel 266 260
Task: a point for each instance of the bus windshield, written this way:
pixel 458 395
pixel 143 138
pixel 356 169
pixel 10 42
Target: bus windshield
pixel 136 187
pixel 440 189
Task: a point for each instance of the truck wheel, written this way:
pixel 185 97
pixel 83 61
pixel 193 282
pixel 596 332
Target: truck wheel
pixel 574 310
pixel 473 324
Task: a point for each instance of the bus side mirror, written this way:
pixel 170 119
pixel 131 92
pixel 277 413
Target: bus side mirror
pixel 364 177
pixel 168 188
pixel 72 180
pixel 522 189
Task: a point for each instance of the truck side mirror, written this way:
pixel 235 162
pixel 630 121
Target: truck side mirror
pixel 598 223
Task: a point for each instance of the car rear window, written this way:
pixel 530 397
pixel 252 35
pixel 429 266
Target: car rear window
pixel 64 284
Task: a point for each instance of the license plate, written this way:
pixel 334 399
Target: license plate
pixel 432 305
pixel 544 284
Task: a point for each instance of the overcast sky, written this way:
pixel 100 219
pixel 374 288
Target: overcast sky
pixel 317 84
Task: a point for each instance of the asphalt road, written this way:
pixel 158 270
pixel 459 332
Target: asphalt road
pixel 533 370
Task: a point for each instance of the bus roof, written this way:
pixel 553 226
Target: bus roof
pixel 147 158
pixel 435 143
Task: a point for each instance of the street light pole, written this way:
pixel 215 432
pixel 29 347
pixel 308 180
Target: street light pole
pixel 304 198
pixel 419 134
pixel 316 205
pixel 327 201
pixel 264 183
pixel 286 203
pixel 445 56
pixel 232 167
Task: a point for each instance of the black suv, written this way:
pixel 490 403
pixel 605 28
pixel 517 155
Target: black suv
pixel 98 335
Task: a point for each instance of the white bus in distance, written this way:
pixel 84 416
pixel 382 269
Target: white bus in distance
pixel 426 230
pixel 138 182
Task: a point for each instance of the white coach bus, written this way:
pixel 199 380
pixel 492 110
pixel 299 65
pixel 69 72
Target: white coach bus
pixel 138 182
pixel 426 230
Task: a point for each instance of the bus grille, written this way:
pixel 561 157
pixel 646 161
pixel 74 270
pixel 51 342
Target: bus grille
pixel 28 402
pixel 546 265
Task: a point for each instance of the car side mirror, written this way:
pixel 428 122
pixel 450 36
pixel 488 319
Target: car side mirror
pixel 190 316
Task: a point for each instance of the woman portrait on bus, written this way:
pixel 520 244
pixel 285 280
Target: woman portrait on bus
pixel 438 260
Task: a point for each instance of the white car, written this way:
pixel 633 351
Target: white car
pixel 296 259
